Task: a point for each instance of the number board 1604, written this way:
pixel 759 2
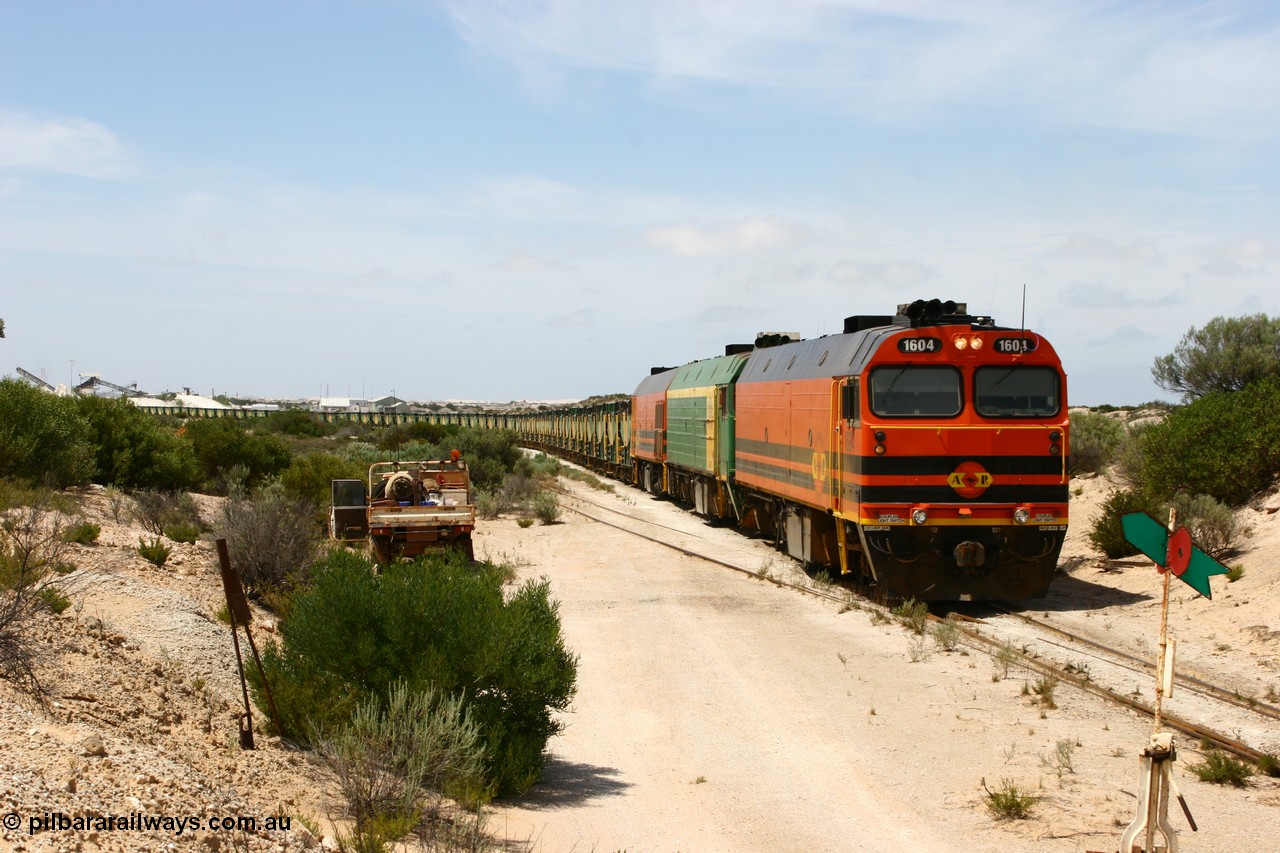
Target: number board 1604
pixel 919 345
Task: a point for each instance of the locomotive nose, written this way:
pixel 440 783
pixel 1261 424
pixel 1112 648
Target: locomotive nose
pixel 969 554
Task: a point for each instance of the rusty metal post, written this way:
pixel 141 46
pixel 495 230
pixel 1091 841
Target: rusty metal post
pixel 238 608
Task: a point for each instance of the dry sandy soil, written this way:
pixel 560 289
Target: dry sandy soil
pixel 715 712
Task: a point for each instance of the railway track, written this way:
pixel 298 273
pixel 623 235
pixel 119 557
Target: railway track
pixel 1207 712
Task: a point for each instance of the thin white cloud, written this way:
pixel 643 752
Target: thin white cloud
pixel 520 262
pixel 1087 246
pixel 885 272
pixel 1089 295
pixel 584 317
pixel 1203 70
pixel 69 146
pixel 1228 269
pixel 751 234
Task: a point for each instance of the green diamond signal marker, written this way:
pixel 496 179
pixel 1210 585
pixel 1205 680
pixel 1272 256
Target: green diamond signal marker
pixel 1152 538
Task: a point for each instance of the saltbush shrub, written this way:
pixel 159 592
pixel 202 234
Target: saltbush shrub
pixel 546 506
pixel 397 754
pixel 272 540
pixel 54 599
pixel 156 511
pixel 1211 523
pixel 1107 534
pixel 437 622
pixel 1095 439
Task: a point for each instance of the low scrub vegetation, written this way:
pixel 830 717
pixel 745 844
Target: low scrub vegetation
pixel 154 552
pixel 1095 441
pixel 913 614
pixel 1222 769
pixel 84 533
pixel 1009 801
pixel 156 511
pixel 439 625
pixel 33 543
pixel 1212 524
pixel 272 540
pixel 397 757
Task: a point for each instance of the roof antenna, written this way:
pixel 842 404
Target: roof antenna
pixel 1023 321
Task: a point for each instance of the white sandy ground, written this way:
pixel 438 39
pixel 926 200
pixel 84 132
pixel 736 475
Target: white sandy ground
pixel 714 712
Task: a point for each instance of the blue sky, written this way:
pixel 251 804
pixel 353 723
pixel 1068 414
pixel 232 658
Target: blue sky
pixel 542 199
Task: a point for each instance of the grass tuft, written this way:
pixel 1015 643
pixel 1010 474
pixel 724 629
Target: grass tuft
pixel 1009 802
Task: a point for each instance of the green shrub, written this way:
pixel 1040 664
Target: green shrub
pixel 135 450
pixel 221 443
pixel 542 465
pixel 53 598
pixel 299 423
pixel 1044 688
pixel 1227 354
pixel 1225 445
pixel 309 478
pixel 84 533
pixel 1222 769
pixel 1095 439
pixel 437 622
pixel 524 522
pixel 1234 573
pixel 1009 802
pixel 1107 534
pixel 914 614
pixel 43 438
pixel 397 436
pixel 1269 765
pixel 154 552
pixel 546 506
pixel 183 532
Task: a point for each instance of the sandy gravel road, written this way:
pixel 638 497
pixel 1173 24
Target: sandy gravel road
pixel 720 713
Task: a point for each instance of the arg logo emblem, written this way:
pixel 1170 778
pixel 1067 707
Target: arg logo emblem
pixel 969 479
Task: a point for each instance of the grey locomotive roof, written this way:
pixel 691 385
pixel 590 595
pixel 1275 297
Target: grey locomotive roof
pixel 825 357
pixel 656 382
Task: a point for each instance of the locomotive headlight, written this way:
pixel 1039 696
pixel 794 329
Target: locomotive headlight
pixel 879 450
pixel 961 343
pixel 919 516
pixel 1021 516
pixel 975 343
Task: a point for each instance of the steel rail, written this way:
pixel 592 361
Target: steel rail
pixel 1190 682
